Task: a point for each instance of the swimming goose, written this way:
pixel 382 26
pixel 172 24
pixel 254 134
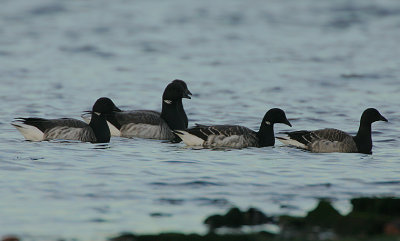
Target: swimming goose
pixel 97 131
pixel 333 140
pixel 234 136
pixel 152 124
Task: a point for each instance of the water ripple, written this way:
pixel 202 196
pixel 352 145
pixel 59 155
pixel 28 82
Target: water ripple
pixel 87 49
pixel 190 184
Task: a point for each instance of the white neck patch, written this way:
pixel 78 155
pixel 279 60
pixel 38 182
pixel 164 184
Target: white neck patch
pixel 268 123
pixel 97 113
pixel 168 102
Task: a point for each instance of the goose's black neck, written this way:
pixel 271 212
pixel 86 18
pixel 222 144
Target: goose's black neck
pixel 363 138
pixel 182 112
pixel 171 115
pixel 100 128
pixel 111 117
pixel 266 135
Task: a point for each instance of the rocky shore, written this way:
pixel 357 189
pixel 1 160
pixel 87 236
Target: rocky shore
pixel 370 219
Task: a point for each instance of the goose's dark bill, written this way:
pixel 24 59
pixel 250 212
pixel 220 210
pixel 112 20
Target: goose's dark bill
pixel 333 140
pixel 287 122
pixel 187 95
pixel 382 118
pixel 186 91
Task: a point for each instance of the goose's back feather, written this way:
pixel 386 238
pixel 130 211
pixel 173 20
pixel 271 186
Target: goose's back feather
pixel 224 136
pixel 324 140
pixel 45 124
pixel 203 131
pixel 138 117
pixel 331 134
pixel 143 124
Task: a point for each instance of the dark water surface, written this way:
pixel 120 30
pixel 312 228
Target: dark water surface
pixel 323 62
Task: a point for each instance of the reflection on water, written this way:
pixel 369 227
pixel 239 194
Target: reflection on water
pixel 321 62
pixel 102 146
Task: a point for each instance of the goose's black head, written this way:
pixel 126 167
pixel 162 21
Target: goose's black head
pixel 266 133
pixel 105 105
pixel 275 115
pixel 174 92
pixel 187 92
pixel 371 115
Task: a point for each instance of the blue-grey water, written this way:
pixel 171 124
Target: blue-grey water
pixel 323 62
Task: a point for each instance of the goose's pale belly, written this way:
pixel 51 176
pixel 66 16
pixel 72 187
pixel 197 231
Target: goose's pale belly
pixel 160 132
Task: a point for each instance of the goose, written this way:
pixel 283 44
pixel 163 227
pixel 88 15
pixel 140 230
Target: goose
pixel 152 124
pixel 40 129
pixel 234 136
pixel 333 140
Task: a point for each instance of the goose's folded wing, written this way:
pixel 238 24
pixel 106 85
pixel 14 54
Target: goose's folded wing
pixel 307 137
pixel 204 131
pixel 324 140
pixel 45 124
pixel 85 134
pixel 138 117
pixel 330 135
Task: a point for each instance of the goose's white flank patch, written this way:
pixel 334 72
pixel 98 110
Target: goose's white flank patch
pixel 113 130
pixel 31 133
pixel 189 139
pixel 291 142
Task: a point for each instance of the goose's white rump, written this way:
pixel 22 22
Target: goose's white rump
pixel 30 133
pixel 189 139
pixel 287 141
